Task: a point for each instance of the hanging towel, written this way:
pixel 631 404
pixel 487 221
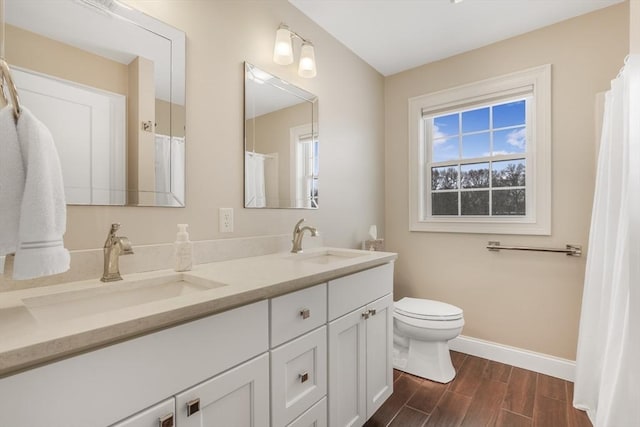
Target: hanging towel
pixel 11 182
pixel 43 213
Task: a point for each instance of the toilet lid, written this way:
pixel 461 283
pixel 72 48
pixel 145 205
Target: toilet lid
pixel 427 309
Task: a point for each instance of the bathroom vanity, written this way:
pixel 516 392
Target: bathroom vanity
pixel 275 340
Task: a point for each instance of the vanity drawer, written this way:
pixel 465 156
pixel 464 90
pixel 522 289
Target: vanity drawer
pixel 297 313
pixel 160 415
pixel 298 376
pixel 316 416
pixel 350 292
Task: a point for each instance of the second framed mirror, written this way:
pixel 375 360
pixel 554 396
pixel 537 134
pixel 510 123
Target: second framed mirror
pixel 281 145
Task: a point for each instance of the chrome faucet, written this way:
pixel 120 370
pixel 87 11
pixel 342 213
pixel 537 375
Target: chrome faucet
pixel 113 248
pixel 298 232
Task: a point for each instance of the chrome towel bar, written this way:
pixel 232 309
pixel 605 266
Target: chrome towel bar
pixel 569 250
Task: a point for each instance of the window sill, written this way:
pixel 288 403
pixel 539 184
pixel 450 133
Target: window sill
pixel 482 227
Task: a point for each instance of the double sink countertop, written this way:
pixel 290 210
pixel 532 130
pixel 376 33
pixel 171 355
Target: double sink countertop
pixel 44 324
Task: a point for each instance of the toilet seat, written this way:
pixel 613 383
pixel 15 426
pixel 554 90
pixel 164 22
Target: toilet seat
pixel 424 309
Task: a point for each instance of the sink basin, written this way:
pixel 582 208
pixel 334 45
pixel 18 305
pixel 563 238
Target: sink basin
pixel 113 296
pixel 326 256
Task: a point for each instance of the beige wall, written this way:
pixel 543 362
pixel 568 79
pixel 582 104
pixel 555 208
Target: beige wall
pixel 35 52
pixel 170 118
pixel 221 35
pixel 634 26
pixel 141 105
pixel 526 300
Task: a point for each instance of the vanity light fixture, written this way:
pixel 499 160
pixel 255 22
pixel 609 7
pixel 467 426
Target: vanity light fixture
pixel 283 51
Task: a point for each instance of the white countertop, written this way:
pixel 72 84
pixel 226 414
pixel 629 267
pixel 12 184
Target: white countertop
pixel 26 342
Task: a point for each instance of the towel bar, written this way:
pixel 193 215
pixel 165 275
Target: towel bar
pixel 569 250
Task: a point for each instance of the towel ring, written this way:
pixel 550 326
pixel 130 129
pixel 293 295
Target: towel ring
pixel 5 75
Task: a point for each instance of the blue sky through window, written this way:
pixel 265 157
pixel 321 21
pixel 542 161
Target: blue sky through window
pixel 445 125
pixel 446 132
pixel 475 145
pixel 509 114
pixel 475 120
pixel 509 141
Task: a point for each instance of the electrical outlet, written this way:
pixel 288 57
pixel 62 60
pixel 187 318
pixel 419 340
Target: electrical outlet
pixel 225 218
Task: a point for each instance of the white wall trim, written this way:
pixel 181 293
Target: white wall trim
pixel 526 359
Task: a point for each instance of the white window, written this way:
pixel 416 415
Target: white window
pixel 480 156
pixel 304 152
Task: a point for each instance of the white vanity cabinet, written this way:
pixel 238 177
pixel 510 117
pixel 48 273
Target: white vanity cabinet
pixel 115 383
pixel 360 345
pixel 307 358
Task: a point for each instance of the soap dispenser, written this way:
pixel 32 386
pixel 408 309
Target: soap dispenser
pixel 183 249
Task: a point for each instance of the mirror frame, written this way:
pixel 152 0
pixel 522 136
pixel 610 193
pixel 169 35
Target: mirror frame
pixel 306 198
pixel 176 55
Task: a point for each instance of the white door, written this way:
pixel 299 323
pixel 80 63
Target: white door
pixel 379 353
pixel 347 392
pixel 160 415
pixel 88 128
pixel 236 398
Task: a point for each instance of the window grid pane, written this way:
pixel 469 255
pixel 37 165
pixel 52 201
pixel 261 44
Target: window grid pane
pixel 501 196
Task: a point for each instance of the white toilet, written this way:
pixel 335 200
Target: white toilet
pixel 422 329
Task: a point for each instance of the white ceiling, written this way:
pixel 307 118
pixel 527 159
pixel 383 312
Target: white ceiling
pixel 396 35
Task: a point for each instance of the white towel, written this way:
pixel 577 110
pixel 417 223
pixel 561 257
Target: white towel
pixel 11 182
pixel 43 211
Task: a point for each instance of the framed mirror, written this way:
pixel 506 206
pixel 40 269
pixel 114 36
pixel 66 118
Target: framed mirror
pixel 281 149
pixel 109 83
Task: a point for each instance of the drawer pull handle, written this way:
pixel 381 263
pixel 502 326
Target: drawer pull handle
pixel 305 313
pixel 372 312
pixel 303 376
pixel 193 406
pixel 166 421
pixel 365 315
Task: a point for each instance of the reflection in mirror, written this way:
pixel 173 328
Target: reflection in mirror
pixel 108 82
pixel 281 143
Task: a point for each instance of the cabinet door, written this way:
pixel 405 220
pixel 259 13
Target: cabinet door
pixel 237 398
pixel 347 394
pixel 298 376
pixel 379 332
pixel 160 415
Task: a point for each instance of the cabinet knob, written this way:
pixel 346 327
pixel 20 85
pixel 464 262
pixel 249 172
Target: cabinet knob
pixel 365 315
pixel 166 421
pixel 303 376
pixel 305 313
pixel 193 406
pixel 372 312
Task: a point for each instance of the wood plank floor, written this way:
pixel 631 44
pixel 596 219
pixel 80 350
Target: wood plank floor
pixel 484 393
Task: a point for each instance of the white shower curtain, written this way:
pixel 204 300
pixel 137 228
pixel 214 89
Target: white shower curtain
pixel 254 181
pixel 607 367
pixel 170 171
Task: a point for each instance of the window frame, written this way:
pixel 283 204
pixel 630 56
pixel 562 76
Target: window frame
pixel 534 82
pixel 301 181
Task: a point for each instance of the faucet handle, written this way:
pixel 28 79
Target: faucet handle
pixel 115 226
pixel 298 224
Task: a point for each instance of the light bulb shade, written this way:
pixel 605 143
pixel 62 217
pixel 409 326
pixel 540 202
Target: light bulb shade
pixel 282 50
pixel 307 65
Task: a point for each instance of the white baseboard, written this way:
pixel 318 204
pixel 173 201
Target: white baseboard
pixel 526 359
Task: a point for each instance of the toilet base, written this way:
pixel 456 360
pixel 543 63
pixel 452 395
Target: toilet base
pixel 430 360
